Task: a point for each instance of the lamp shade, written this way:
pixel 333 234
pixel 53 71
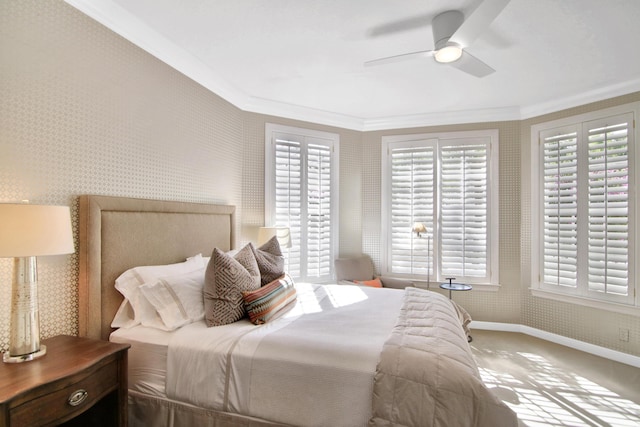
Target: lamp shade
pixel 418 227
pixel 34 230
pixel 282 233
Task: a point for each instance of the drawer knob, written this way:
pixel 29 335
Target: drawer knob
pixel 77 397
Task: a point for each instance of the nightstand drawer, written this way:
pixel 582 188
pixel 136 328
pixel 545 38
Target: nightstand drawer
pixel 69 401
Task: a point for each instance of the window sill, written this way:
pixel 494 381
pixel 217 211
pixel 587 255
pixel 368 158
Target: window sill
pixel 573 299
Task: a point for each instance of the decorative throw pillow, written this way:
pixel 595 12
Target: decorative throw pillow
pixel 270 300
pixel 374 283
pixel 225 279
pixel 270 260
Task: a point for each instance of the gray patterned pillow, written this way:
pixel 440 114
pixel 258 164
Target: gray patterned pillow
pixel 225 279
pixel 270 260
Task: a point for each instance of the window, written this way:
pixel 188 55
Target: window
pixel 301 179
pixel 584 169
pixel 449 183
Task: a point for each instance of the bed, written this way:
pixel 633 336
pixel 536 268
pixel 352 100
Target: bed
pixel 337 355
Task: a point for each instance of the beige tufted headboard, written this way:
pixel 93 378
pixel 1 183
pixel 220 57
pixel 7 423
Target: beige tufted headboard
pixel 118 233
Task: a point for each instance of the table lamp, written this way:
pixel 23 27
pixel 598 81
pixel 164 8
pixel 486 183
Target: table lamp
pixel 283 234
pixel 28 231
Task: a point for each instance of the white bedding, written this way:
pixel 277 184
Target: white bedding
pixel 147 358
pixel 305 368
pixel 313 366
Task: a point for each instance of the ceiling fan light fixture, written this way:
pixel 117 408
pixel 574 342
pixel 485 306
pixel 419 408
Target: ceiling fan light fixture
pixel 447 54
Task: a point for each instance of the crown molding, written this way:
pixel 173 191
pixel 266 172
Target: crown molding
pixel 114 17
pixel 297 112
pixel 598 94
pixel 443 118
pixel 121 22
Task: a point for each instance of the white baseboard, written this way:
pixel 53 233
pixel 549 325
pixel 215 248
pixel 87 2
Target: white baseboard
pixel 597 350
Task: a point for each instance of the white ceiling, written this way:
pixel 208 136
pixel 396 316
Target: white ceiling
pixel 303 59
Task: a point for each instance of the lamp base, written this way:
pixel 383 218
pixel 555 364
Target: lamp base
pixel 8 358
pixel 24 336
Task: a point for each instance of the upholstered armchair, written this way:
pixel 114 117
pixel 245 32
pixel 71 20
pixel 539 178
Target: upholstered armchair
pixel 361 268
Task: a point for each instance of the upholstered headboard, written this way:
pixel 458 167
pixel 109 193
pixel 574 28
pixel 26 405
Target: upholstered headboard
pixel 119 233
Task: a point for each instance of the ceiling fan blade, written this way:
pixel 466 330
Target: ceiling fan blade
pixel 472 65
pixel 477 21
pixel 398 58
pixel 401 25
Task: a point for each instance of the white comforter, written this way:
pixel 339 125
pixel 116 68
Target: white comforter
pixel 427 376
pixel 314 366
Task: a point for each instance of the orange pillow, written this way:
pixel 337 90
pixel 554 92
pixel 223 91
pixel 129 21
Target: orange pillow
pixel 374 283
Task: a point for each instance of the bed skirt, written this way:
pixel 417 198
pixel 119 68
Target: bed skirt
pixel 145 410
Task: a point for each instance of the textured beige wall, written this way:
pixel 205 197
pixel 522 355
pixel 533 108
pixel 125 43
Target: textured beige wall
pixel 83 111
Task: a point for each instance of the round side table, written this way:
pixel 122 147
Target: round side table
pixel 450 286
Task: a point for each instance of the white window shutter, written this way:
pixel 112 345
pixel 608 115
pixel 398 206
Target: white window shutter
pixel 319 211
pixel 608 208
pixel 560 208
pixel 412 200
pixel 464 210
pixel 288 198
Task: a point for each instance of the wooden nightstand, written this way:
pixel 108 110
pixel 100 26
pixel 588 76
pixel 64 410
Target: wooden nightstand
pixel 80 381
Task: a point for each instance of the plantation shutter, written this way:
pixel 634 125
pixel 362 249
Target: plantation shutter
pixel 608 206
pixel 464 210
pixel 448 184
pixel 303 202
pixel 412 200
pixel 288 198
pixel 586 200
pixel 319 211
pixel 560 205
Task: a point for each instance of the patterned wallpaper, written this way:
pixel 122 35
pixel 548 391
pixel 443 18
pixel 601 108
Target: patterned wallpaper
pixel 84 111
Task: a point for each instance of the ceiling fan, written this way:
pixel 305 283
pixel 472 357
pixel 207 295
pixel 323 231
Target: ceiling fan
pixel 452 34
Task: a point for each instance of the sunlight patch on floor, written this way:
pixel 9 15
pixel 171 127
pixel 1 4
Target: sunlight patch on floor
pixel 543 395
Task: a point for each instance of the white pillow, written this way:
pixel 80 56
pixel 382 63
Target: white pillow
pixel 135 307
pixel 178 300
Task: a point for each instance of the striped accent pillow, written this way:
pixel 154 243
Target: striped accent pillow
pixel 265 303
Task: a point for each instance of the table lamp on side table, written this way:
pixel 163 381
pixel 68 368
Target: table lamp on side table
pixel 27 231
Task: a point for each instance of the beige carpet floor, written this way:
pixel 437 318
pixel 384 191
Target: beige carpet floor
pixel 548 384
